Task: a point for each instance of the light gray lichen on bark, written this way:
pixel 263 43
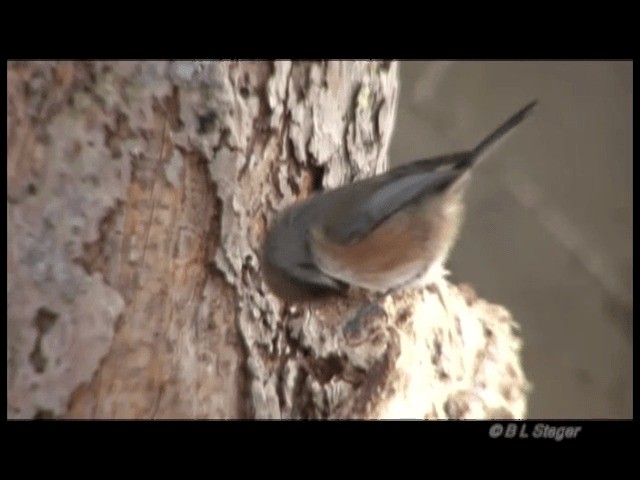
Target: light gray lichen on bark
pixel 60 317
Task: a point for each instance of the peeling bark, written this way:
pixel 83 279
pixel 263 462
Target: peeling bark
pixel 138 198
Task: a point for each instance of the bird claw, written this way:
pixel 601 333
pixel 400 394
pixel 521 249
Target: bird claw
pixel 435 288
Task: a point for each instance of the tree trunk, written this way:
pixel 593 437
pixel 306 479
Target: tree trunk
pixel 138 198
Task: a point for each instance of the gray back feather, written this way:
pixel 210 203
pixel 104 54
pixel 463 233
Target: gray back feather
pixel 362 213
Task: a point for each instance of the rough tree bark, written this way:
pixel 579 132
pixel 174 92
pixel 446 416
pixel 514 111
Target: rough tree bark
pixel 138 198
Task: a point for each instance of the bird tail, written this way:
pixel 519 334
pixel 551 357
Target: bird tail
pixel 492 140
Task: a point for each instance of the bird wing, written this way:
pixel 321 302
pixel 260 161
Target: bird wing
pixel 361 209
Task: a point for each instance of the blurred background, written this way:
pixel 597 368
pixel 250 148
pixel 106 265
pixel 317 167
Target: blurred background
pixel 548 230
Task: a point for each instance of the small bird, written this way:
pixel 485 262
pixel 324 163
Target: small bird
pixel 388 232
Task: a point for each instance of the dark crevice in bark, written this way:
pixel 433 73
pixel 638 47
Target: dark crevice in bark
pixel 317 176
pixel 43 321
pixel 94 257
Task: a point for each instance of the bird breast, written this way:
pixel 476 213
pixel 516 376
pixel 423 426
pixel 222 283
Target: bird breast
pixel 399 251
